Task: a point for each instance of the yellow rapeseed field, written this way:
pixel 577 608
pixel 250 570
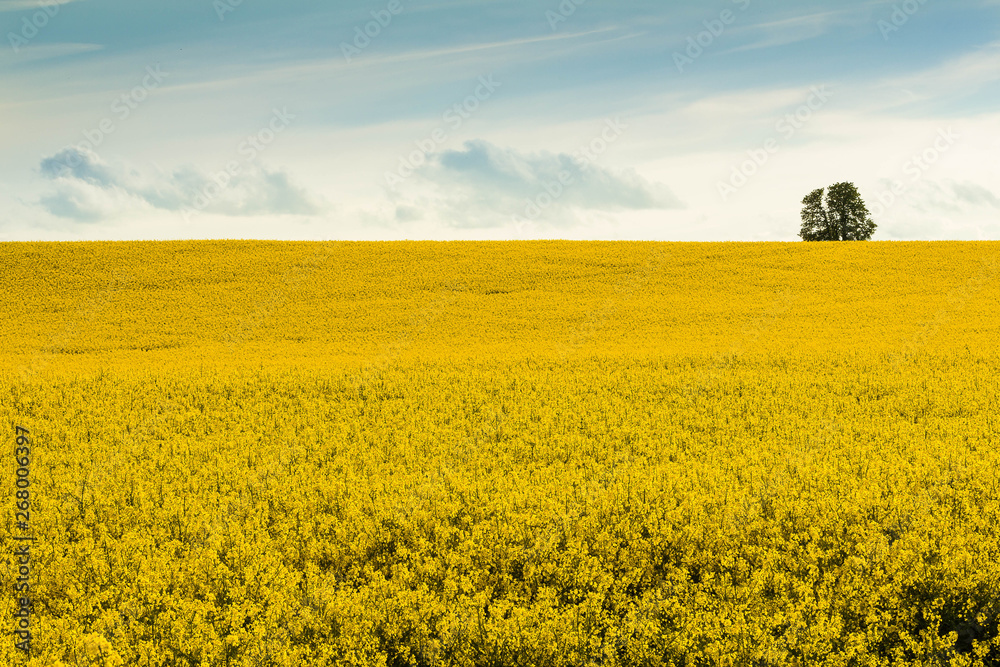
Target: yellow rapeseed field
pixel 525 453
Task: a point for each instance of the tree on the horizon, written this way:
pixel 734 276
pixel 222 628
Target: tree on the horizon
pixel 840 216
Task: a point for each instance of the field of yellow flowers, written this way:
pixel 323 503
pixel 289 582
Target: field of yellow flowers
pixel 524 453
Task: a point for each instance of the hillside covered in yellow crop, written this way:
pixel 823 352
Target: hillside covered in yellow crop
pixel 230 304
pixel 518 453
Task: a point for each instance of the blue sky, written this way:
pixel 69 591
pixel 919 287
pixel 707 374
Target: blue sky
pixel 429 119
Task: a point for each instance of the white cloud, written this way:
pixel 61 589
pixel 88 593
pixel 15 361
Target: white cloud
pixel 786 31
pixel 962 75
pixel 24 5
pixel 484 186
pixel 35 52
pixel 88 189
pixel 975 195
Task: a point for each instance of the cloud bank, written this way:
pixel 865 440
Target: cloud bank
pixel 483 185
pixel 87 189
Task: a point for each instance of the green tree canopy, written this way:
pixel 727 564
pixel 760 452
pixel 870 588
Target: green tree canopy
pixel 840 215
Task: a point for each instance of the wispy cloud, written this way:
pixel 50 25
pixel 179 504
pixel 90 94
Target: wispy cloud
pixel 412 59
pixel 36 52
pixel 786 31
pixel 964 74
pixel 23 5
